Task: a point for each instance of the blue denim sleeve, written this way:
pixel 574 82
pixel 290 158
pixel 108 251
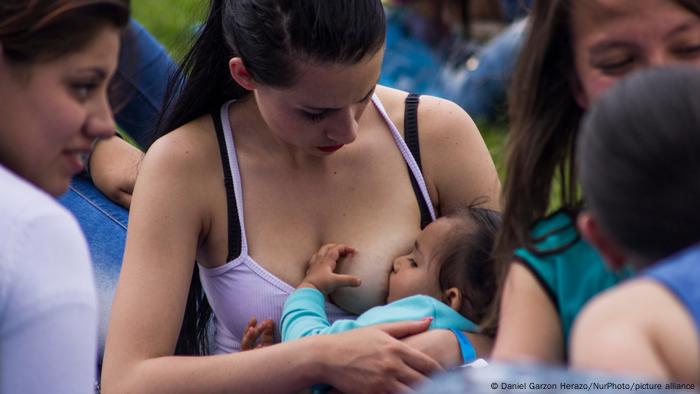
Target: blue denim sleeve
pixel 141 79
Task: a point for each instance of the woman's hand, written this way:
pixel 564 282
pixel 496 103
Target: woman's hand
pixel 114 164
pixel 320 274
pixel 372 360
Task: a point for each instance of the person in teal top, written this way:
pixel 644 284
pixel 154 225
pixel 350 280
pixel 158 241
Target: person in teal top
pixel 566 266
pixel 573 51
pixel 447 277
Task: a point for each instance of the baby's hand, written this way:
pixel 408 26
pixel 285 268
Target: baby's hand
pixel 257 336
pixel 320 273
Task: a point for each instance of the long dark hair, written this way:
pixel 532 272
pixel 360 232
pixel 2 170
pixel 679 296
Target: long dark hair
pixel 273 38
pixel 544 120
pixel 639 164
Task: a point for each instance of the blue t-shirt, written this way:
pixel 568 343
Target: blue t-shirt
pixel 568 268
pixel 680 273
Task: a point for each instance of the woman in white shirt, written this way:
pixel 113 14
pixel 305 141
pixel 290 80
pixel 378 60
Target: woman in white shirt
pixel 56 61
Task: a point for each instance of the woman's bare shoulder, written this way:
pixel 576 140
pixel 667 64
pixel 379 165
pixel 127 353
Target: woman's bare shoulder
pixel 441 118
pixel 436 116
pixel 189 148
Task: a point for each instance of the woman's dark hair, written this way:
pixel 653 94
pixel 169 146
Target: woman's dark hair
pixel 544 120
pixel 466 261
pixel 33 31
pixel 639 162
pixel 273 38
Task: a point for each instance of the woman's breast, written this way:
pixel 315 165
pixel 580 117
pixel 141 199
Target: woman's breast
pixel 376 250
pixel 242 289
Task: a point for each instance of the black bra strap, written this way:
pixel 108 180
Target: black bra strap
pixel 410 125
pixel 234 225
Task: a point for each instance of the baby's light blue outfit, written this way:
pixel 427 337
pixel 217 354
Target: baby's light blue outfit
pixel 304 314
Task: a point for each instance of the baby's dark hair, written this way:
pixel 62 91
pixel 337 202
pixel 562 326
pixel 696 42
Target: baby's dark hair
pixel 466 261
pixel 639 162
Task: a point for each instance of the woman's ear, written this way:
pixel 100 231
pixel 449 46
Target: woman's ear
pixel 453 298
pixel 240 74
pixel 590 229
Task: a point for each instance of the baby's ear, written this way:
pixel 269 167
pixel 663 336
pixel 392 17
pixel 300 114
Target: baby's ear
pixel 453 298
pixel 590 229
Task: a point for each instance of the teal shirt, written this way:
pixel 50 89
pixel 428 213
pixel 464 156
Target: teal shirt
pixel 569 269
pixel 304 315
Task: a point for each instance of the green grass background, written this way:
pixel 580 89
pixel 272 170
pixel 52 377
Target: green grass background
pixel 173 23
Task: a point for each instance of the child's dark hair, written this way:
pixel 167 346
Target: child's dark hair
pixel 467 258
pixel 639 162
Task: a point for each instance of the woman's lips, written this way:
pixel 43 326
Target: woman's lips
pixel 329 149
pixel 76 158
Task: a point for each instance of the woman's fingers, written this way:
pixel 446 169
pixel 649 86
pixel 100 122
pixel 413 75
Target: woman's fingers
pixel 403 329
pixel 402 388
pixel 419 366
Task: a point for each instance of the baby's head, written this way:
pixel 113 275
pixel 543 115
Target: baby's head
pixel 451 261
pixel 639 165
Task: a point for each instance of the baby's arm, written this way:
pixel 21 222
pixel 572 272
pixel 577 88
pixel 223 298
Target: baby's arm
pixel 304 311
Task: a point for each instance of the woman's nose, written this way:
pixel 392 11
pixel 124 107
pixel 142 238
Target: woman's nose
pixel 344 131
pixel 100 123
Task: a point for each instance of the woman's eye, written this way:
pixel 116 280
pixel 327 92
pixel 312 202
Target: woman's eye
pixel 413 262
pixel 615 66
pixel 315 117
pixel 83 90
pixel 688 50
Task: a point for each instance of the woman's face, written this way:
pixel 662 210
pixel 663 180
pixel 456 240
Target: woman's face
pixel 52 112
pixel 320 112
pixel 615 37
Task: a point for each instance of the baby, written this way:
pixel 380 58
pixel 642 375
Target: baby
pixel 447 277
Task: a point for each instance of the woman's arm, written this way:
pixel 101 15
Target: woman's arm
pixel 169 221
pixel 114 165
pixel 529 326
pixel 456 163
